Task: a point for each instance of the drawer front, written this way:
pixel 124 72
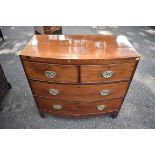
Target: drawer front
pixel 79 92
pixel 106 73
pixel 74 107
pixel 51 72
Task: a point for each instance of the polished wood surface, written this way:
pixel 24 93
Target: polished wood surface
pixel 72 48
pixel 79 62
pixel 76 107
pixel 78 92
pixel 64 73
pixel 93 73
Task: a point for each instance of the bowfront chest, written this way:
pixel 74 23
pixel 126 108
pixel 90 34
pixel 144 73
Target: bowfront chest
pixel 79 75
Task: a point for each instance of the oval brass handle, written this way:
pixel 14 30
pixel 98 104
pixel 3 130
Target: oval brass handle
pixel 105 92
pixel 50 74
pixel 53 91
pixel 100 107
pixel 57 107
pixel 107 74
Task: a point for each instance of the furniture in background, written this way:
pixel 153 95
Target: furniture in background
pixel 4 85
pixel 79 75
pixel 1 35
pixel 41 30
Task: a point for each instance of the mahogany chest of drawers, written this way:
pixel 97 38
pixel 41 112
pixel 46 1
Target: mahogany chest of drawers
pixel 79 75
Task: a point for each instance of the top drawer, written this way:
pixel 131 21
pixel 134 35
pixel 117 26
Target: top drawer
pixel 51 72
pixel 106 73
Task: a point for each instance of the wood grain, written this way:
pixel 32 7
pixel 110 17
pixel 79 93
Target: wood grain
pixel 93 73
pixel 64 73
pixel 79 49
pixel 76 107
pixel 79 61
pixel 78 92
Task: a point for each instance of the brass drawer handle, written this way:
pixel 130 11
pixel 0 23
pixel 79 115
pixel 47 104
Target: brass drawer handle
pixel 53 91
pixel 105 92
pixel 50 74
pixel 57 107
pixel 107 74
pixel 100 107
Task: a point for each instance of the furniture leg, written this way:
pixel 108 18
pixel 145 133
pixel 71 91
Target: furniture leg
pixel 42 114
pixel 115 114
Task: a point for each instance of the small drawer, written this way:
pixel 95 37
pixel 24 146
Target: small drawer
pixel 79 92
pixel 106 73
pixel 51 72
pixel 64 107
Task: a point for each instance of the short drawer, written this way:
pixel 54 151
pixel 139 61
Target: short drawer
pixel 106 73
pixel 79 92
pixel 51 72
pixel 64 107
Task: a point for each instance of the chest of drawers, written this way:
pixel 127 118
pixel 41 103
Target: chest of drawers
pixel 79 75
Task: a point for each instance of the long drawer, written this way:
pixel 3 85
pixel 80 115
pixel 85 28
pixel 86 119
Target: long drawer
pixel 51 72
pixel 106 73
pixel 64 107
pixel 79 92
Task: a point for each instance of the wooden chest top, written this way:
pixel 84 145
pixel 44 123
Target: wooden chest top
pixel 79 49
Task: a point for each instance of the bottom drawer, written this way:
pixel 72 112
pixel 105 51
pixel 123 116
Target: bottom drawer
pixel 81 108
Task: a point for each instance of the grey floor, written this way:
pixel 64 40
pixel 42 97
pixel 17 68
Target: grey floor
pixel 138 110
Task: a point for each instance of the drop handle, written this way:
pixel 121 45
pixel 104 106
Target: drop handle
pixel 53 91
pixel 50 74
pixel 100 107
pixel 107 74
pixel 105 92
pixel 57 107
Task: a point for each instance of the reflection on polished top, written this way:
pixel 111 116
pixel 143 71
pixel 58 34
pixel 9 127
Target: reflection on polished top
pixel 79 47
